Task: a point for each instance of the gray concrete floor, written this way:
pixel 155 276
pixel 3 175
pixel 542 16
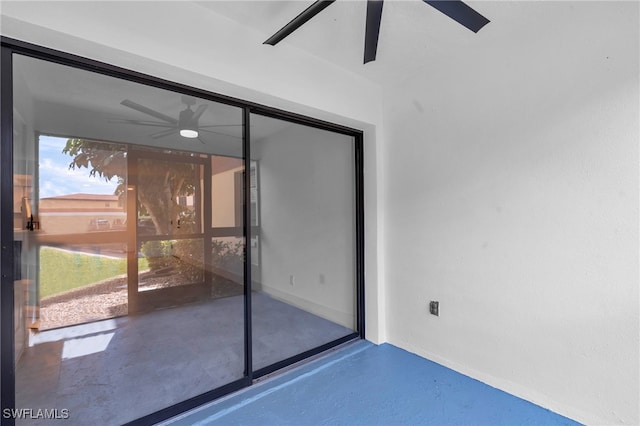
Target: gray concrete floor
pixel 114 371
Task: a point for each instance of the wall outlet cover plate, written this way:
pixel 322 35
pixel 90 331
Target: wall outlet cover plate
pixel 434 308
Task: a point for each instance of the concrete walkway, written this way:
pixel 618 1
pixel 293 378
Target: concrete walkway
pixel 365 384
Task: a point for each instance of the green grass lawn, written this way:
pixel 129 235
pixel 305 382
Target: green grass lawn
pixel 61 270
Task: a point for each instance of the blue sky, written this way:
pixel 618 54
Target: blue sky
pixel 57 179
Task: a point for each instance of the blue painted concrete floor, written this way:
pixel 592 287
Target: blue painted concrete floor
pixel 365 384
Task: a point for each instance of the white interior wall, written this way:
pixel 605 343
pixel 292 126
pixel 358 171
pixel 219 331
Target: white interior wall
pixel 512 187
pixel 222 57
pixel 307 226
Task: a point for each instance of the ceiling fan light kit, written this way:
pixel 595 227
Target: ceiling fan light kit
pixel 454 9
pixel 188 133
pixel 186 125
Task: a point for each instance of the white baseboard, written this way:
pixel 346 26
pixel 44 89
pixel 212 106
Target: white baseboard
pixel 343 318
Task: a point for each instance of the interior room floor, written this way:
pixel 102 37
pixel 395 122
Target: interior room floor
pixel 114 371
pixel 365 384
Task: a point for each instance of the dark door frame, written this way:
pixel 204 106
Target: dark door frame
pixel 7 356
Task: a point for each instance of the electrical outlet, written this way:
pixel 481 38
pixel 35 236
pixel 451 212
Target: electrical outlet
pixel 292 280
pixel 434 308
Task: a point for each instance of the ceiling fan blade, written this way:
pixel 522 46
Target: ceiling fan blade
pixel 460 12
pixel 298 21
pixel 149 111
pixel 140 122
pixel 372 31
pixel 218 133
pixel 198 112
pixel 220 125
pixel 163 133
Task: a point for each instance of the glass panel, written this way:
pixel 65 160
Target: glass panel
pixel 304 291
pixel 170 263
pixel 113 215
pixel 226 181
pixel 227 263
pixel 79 236
pixel 169 196
pixel 80 284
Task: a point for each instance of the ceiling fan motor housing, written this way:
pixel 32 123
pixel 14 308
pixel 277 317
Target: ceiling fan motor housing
pixel 186 120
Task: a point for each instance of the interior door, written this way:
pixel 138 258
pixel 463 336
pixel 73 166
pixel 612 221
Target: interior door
pixel 167 229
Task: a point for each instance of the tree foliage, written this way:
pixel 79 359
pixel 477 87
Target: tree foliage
pixel 103 159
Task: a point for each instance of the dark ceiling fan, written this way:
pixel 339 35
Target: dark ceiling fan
pixel 454 9
pixel 186 125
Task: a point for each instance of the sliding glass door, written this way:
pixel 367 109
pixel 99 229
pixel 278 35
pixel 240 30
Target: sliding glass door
pixel 119 312
pixel 169 245
pixel 305 295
